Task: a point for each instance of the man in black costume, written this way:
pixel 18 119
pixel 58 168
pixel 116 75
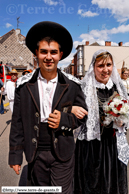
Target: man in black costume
pixel 42 122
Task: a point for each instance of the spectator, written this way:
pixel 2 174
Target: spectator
pixel 125 78
pixel 10 88
pixel 2 97
pixel 26 71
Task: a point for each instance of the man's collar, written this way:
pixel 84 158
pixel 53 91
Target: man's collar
pixel 30 76
pixel 54 80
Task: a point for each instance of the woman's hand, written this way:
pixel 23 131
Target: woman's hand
pixel 119 123
pixel 79 112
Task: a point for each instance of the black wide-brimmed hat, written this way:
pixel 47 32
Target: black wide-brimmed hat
pixel 49 29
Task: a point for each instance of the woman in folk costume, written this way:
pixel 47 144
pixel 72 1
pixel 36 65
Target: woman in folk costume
pixel 102 151
pixel 125 78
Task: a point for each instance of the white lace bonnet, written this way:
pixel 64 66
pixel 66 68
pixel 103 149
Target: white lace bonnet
pixel 92 128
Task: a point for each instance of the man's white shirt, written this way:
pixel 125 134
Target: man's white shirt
pixel 10 91
pixel 46 94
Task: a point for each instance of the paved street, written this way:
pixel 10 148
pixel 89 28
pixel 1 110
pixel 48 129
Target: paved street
pixel 7 175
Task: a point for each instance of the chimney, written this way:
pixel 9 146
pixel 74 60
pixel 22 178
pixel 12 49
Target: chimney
pixel 87 43
pixel 120 43
pixel 108 43
pixel 72 61
pixel 18 31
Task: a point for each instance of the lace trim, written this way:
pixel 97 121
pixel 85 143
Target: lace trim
pixel 71 77
pixel 122 147
pixel 28 76
pixel 109 84
pixel 24 79
pixel 91 129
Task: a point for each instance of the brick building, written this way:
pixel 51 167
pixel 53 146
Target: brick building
pixel 70 68
pixel 14 52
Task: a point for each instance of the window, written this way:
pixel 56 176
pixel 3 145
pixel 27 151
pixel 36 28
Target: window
pixel 79 54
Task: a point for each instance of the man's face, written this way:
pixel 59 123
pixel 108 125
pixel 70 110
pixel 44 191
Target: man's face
pixel 48 56
pixel 125 75
pixel 13 76
pixel 26 72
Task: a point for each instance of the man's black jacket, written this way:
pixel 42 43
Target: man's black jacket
pixel 26 119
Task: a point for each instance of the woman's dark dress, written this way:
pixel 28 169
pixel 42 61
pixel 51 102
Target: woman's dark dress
pixel 97 168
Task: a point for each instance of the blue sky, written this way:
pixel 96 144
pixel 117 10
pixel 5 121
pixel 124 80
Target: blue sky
pixel 86 20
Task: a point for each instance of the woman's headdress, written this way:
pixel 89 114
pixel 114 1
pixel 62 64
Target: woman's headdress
pixel 91 129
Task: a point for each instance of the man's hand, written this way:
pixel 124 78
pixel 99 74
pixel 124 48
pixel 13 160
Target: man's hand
pixel 54 119
pixel 79 112
pixel 16 168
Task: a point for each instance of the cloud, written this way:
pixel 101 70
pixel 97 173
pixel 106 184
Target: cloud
pixel 120 29
pixel 65 62
pixel 51 2
pixel 104 34
pixel 76 43
pixel 126 44
pixel 8 25
pixel 95 35
pixel 99 41
pixel 118 8
pixel 122 20
pixel 100 36
pixel 100 33
pixel 114 44
pixel 87 13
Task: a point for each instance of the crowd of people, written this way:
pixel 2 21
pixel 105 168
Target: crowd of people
pixel 9 89
pixel 50 104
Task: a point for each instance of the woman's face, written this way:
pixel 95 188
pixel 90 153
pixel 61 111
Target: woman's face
pixel 103 69
pixel 125 75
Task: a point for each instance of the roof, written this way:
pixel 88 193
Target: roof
pixel 13 49
pixel 19 67
pixel 94 44
pixel 5 36
pixel 8 34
